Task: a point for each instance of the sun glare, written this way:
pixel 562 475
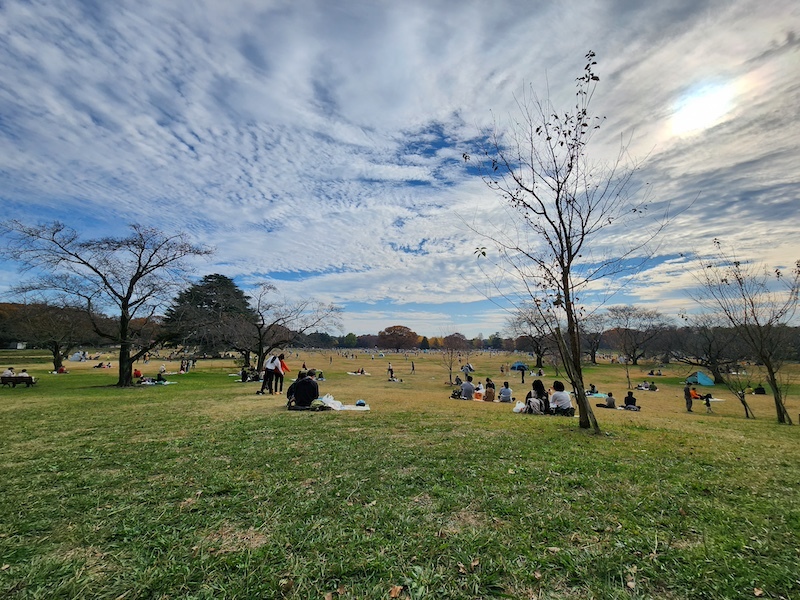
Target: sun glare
pixel 702 108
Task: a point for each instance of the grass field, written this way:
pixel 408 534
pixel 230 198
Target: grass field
pixel 205 490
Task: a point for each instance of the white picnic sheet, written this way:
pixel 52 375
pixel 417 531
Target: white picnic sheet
pixel 336 405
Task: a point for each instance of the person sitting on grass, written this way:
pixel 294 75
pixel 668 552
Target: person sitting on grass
pixel 303 392
pixel 560 401
pixel 609 403
pixel 490 390
pixel 538 392
pixel 630 402
pixel 533 403
pixel 653 387
pixel 592 389
pixel 504 395
pixel 467 389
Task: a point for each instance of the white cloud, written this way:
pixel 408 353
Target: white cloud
pixel 327 137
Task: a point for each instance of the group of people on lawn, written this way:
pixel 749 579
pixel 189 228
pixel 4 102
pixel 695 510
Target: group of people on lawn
pixel 537 402
pixel 300 394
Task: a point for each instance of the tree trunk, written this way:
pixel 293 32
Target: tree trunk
pixel 780 408
pixel 55 350
pixel 572 365
pixel 716 371
pixel 748 412
pixel 125 363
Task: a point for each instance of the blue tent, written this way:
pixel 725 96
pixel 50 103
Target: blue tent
pixel 519 366
pixel 699 378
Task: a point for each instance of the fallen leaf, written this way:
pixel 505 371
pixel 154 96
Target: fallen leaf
pixel 758 592
pixel 5 567
pixel 631 584
pixel 329 596
pixel 340 589
pixel 554 549
pixel 462 569
pixel 395 591
pixel 286 584
pixel 537 574
pixel 475 562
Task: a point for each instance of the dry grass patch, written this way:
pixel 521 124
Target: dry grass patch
pixel 228 539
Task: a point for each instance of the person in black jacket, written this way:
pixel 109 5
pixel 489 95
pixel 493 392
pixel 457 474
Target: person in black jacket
pixel 305 390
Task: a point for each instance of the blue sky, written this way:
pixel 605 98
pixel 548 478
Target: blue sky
pixel 319 143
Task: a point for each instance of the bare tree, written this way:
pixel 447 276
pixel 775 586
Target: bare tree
pixel 632 330
pixel 134 276
pixel 454 346
pixel 279 322
pixel 532 332
pixel 58 328
pixel 708 342
pixel 592 328
pixel 563 203
pixel 759 303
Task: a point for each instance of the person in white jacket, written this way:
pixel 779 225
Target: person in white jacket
pixel 271 368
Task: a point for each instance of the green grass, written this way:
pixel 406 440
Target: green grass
pixel 205 490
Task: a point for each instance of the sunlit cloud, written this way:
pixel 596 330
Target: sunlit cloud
pixel 702 108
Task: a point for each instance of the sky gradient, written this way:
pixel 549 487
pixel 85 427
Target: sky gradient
pixel 318 144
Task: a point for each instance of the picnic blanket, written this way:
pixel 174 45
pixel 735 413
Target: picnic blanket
pixel 336 405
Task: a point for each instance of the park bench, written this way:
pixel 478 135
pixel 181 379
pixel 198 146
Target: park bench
pixel 13 380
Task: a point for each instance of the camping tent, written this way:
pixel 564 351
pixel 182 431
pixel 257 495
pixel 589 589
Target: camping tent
pixel 519 366
pixel 699 378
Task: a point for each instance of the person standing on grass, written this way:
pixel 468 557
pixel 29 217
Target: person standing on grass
pixel 284 368
pixel 272 365
pixel 687 395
